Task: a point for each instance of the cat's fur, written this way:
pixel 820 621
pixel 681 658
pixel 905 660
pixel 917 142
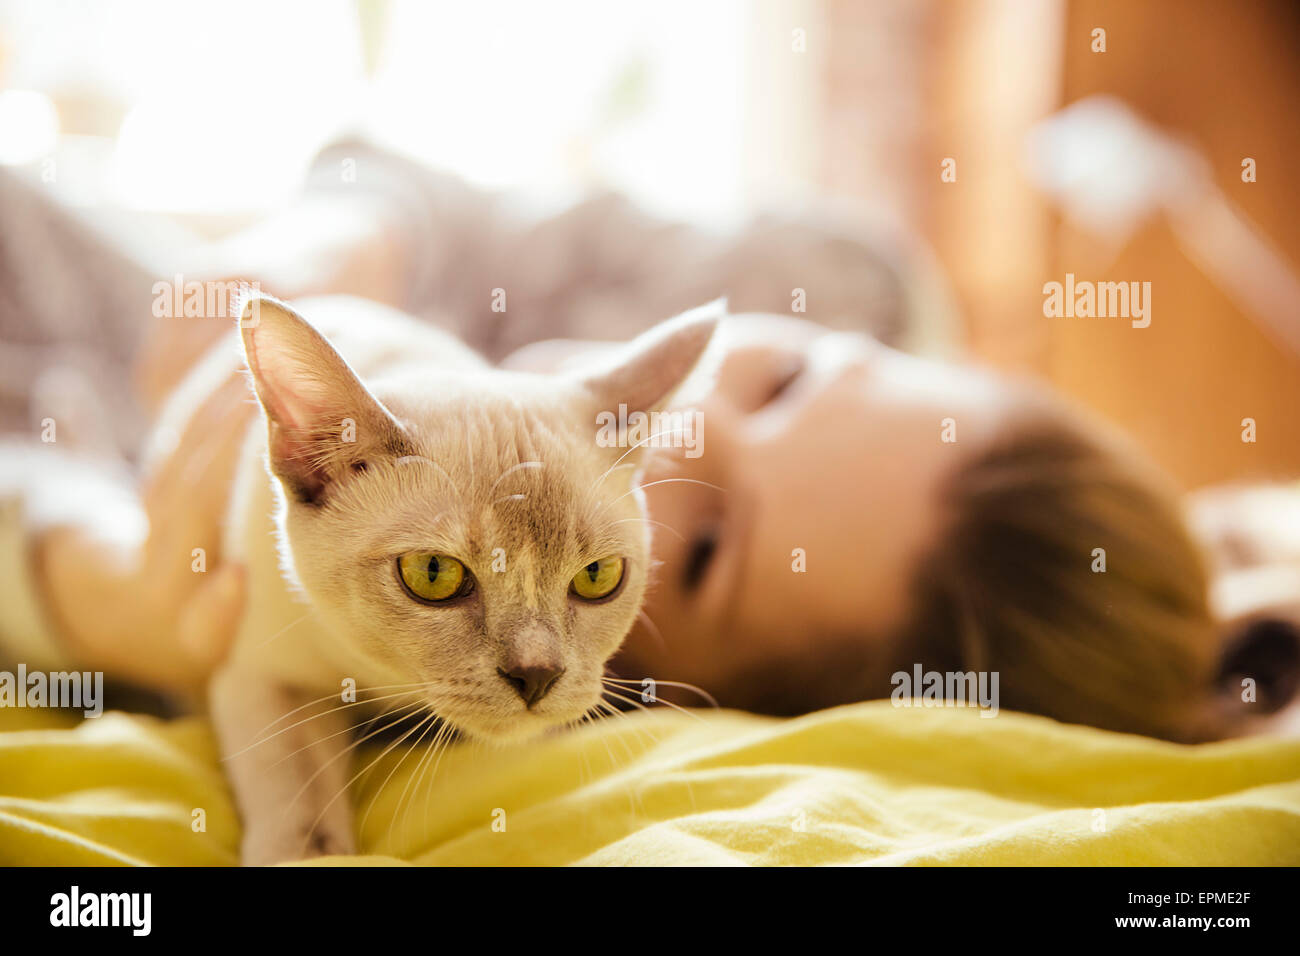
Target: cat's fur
pixel 499 469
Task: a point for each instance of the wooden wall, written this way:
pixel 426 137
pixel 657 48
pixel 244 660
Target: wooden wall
pixel 1224 76
pixel 1227 77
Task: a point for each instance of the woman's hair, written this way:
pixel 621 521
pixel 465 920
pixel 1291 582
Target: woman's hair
pixel 1064 564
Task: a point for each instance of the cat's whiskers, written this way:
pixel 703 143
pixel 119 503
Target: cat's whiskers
pixel 601 705
pixel 370 805
pixel 666 683
pixel 690 790
pixel 654 628
pixel 305 720
pixel 351 728
pixel 441 747
pixel 668 481
pixel 643 733
pixel 348 786
pixel 518 496
pixel 654 699
pixel 585 769
pixel 287 627
pixel 342 753
pixel 680 536
pixel 610 471
pixel 633 797
pixel 333 696
pixel 431 757
pixel 617 461
pixel 421 459
pixel 512 469
pixel 589 716
pixel 441 740
pixel 410 778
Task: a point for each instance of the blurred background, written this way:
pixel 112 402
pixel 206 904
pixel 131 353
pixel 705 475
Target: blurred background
pixel 1017 142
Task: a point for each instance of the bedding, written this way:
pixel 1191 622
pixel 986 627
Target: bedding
pixel 862 784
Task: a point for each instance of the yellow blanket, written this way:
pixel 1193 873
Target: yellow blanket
pixel 860 784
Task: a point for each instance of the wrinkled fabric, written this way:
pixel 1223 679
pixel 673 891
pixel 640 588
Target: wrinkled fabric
pixel 863 784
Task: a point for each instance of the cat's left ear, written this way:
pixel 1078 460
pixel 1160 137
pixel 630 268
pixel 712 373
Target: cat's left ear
pixel 653 368
pixel 322 423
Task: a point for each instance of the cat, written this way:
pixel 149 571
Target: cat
pixel 445 535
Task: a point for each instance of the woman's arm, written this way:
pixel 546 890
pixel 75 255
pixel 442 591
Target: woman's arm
pixel 102 574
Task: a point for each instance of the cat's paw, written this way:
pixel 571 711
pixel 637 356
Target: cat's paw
pixel 264 846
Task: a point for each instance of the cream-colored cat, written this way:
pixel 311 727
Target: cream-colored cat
pixel 429 526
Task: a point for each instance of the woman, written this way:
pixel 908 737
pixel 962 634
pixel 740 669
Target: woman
pixel 393 232
pixel 856 511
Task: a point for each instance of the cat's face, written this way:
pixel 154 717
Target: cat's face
pixel 472 536
pixel 454 562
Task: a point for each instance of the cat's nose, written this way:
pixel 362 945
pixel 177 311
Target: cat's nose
pixel 531 682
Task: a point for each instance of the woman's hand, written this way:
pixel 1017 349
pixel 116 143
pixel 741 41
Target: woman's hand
pixel 163 613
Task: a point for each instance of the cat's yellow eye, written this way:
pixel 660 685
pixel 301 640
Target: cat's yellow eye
pixel 433 577
pixel 598 579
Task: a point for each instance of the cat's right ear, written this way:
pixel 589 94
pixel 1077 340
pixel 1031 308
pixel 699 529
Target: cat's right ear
pixel 656 366
pixel 322 422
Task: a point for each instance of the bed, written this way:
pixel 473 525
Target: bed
pixel 863 784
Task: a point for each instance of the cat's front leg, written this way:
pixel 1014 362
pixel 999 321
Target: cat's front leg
pixel 288 767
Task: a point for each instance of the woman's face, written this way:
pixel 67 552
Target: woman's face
pixel 811 500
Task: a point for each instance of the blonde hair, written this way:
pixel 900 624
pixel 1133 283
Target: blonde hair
pixel 1065 565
